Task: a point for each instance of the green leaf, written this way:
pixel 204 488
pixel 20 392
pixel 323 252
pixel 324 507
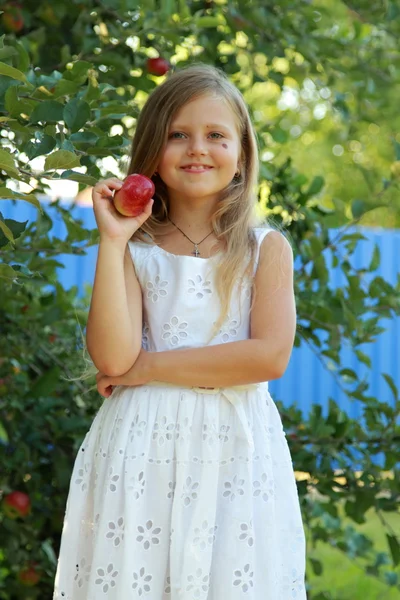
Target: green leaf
pixel 84 137
pixel 44 144
pixel 10 230
pixel 7 51
pixel 14 105
pixel 316 566
pixel 358 208
pixel 167 8
pixel 3 434
pixel 65 87
pixel 13 73
pixel 7 272
pixel 76 114
pixel 79 177
pixel 7 163
pixel 5 234
pixel 279 135
pixel 209 21
pixel 46 383
pixel 390 381
pixel 394 548
pixel 5 193
pixel 48 550
pixel 61 159
pixel 48 111
pixel 364 358
pixel 23 56
pixel 376 259
pixel 316 186
pixel 348 374
pixel 78 72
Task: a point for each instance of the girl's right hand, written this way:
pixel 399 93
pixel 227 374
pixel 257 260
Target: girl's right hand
pixel 111 224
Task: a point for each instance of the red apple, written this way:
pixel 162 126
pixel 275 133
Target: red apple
pixel 29 576
pixel 12 17
pixel 158 66
pixel 17 504
pixel 134 194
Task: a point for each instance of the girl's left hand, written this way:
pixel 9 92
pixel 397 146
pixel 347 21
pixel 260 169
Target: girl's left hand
pixel 138 374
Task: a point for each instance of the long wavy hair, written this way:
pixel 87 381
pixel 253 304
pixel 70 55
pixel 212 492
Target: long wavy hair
pixel 235 215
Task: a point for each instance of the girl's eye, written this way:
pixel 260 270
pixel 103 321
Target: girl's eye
pixel 175 135
pixel 216 133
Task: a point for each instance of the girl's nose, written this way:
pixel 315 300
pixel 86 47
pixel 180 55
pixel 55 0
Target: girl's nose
pixel 197 146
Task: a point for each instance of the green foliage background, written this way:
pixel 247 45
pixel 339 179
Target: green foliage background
pixel 321 79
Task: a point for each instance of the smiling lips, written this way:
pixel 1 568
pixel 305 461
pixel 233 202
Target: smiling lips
pixel 196 168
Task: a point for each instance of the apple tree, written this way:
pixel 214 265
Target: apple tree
pixel 73 78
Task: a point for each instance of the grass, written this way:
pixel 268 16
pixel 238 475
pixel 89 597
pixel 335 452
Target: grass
pixel 344 579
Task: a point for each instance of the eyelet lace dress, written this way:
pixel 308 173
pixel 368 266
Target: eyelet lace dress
pixel 183 493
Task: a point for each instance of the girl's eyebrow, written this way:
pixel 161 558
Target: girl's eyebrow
pixel 208 126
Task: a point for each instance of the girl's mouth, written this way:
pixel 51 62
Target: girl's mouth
pixel 196 168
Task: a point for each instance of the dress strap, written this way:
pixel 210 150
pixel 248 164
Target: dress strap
pixel 261 233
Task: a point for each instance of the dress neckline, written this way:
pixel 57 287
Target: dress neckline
pixel 185 255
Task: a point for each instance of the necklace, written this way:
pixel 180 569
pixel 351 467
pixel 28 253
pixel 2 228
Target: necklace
pixel 196 251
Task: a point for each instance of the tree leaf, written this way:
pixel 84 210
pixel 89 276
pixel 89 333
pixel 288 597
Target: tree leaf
pixel 7 162
pixel 61 159
pixel 43 145
pixel 7 272
pixel 376 259
pixel 358 208
pixel 5 193
pixel 79 177
pixel 76 114
pixel 46 383
pixel 48 111
pixel 7 51
pixel 316 186
pixel 390 381
pixel 13 73
pixel 3 434
pixel 10 230
pixel 394 548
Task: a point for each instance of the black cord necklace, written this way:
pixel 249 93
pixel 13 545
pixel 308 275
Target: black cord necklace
pixel 196 251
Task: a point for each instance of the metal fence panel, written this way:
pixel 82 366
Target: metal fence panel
pixel 306 381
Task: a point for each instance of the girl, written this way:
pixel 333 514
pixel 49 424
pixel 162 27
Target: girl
pixel 183 489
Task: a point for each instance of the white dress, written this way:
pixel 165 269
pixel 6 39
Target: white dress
pixel 182 493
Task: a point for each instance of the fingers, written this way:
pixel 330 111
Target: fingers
pixel 105 385
pixel 146 212
pixel 105 188
pixel 149 206
pixel 104 389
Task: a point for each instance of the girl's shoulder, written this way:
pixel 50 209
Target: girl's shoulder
pixel 261 232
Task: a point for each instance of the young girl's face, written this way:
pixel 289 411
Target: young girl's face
pixel 202 154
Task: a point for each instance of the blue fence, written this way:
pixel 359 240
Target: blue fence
pixel 306 381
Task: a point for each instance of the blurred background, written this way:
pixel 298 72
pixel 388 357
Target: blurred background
pixel 321 79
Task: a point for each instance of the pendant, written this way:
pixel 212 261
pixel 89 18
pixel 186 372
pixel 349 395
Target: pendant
pixel 196 251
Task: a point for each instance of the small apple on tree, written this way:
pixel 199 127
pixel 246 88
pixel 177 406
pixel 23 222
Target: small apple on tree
pixel 134 195
pixel 16 504
pixel 29 575
pixel 12 18
pixel 158 66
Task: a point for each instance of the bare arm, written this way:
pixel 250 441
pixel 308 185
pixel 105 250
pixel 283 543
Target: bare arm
pixel 263 357
pixel 114 327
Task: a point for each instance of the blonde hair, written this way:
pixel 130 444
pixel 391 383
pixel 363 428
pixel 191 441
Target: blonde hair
pixel 236 215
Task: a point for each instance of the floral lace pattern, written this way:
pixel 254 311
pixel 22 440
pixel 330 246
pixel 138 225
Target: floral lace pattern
pixel 167 499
